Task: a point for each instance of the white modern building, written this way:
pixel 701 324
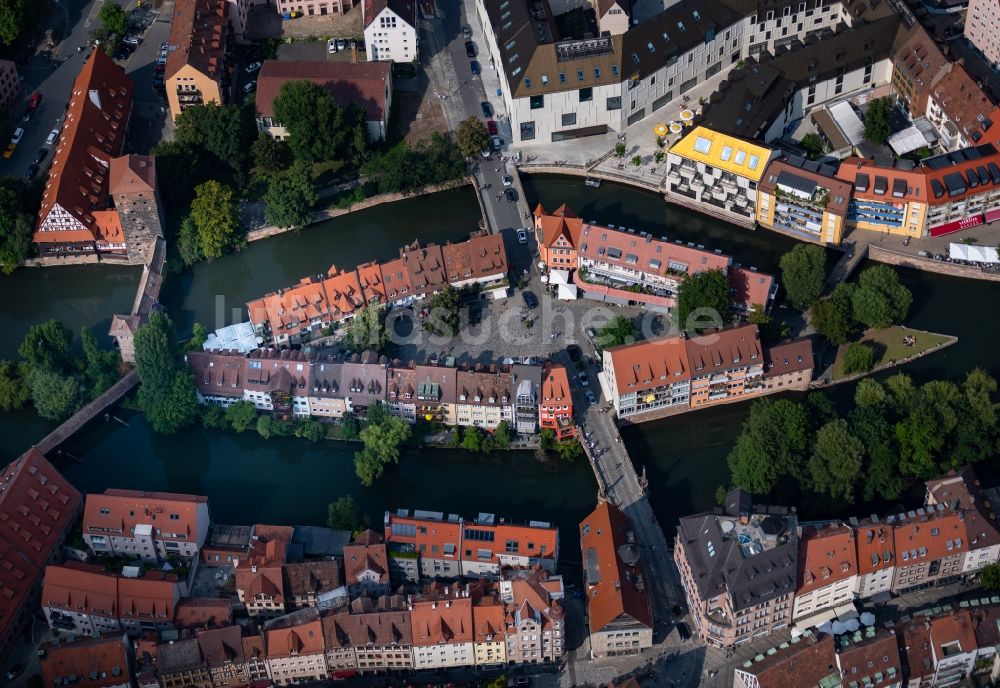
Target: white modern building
pixel 390 30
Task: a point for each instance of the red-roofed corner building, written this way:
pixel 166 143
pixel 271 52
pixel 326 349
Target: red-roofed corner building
pixel 75 217
pixel 555 410
pixel 617 594
pixel 196 64
pixel 535 621
pixel 366 565
pixel 827 576
pixel 941 650
pixel 100 663
pixel 885 199
pixel 961 490
pixel 366 84
pixel 930 549
pixel 260 584
pixel 37 508
pixel 147 525
pixel 962 112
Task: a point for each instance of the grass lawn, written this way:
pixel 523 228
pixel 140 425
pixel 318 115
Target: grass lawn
pixel 890 346
pixel 328 173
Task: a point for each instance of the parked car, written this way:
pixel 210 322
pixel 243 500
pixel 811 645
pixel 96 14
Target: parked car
pixel 34 101
pixel 683 631
pixel 508 181
pixel 487 109
pixel 591 399
pixel 511 195
pixel 30 173
pixel 486 152
pixel 491 126
pixel 132 40
pixel 9 150
pixel 476 69
pixel 52 137
pixel 249 86
pixel 584 380
pixel 467 31
pixel 331 47
pixel 40 155
pixel 522 236
pixel 253 67
pixel 529 299
pixel 341 44
pixel 470 48
pixel 496 142
pixel 18 134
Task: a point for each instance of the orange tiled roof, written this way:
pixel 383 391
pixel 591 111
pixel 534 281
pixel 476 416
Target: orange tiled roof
pixel 555 387
pixel 362 556
pixel 646 365
pixel 94 663
pixel 484 388
pixel 89 589
pixel 396 278
pixel 965 105
pixel 425 265
pixel 299 639
pixel 826 555
pixel 888 184
pixel 93 134
pixel 950 628
pixel 940 534
pixel 122 510
pixel 644 253
pixel 876 548
pixel 370 278
pixel 750 287
pixel 483 255
pixel 203 612
pixel 288 310
pixel 197 37
pixel 488 621
pixel 737 346
pixel 343 293
pixel 445 621
pixel 132 173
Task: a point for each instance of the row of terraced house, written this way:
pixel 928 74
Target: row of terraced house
pixel 289 382
pixel 750 570
pixel 289 315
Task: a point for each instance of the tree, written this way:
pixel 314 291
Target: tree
pixel 833 317
pixel 472 137
pixel 620 330
pixel 188 166
pixel 859 358
pixel 241 416
pixel 16 222
pixel 835 464
pixel 771 331
pixel 199 334
pixel 877 128
pixel 547 439
pixel 443 308
pixel 317 127
pixel 46 345
pixel 620 150
pixel 113 18
pixel 879 299
pixel 350 428
pixel 270 155
pixel 366 330
pixel 213 417
pixel 503 435
pixel 14 391
pixel 290 196
pixel 813 145
pixel 472 439
pixel 569 450
pixel 989 576
pixel 12 19
pixel 343 514
pixel 395 170
pixel 659 156
pixel 166 388
pixel 100 367
pixel 265 426
pixel 772 445
pixel 188 243
pixel 55 396
pixel 870 394
pixel 636 160
pixel 803 274
pixel 216 217
pixel 498 682
pixel 222 130
pixel 311 429
pixel 382 442
pixel 882 478
pixel 703 296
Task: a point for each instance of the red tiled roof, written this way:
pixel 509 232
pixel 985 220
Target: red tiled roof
pixel 803 664
pixel 789 357
pixel 912 183
pixel 94 132
pixel 876 548
pixel 132 173
pixel 482 255
pixel 964 168
pixel 203 612
pixel 301 639
pixel 218 373
pixel 615 591
pixel 488 621
pixel 406 9
pixel 737 346
pixel 37 506
pixel 951 628
pixel 198 37
pixel 826 555
pixel 749 287
pixel 360 557
pixel 122 510
pixel 93 663
pixel 396 279
pixel 937 535
pixel 444 621
pixel 89 589
pixel 967 106
pixel 555 387
pixel 650 364
pixel 364 84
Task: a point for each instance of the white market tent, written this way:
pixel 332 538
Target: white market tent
pixel 909 139
pixel 848 121
pixel 973 254
pixel 564 290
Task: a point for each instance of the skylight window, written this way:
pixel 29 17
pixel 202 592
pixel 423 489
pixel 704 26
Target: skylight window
pixel 649 46
pixel 666 37
pixel 680 25
pixel 702 145
pixel 727 152
pixel 635 58
pixel 740 157
pixel 696 15
pixel 754 161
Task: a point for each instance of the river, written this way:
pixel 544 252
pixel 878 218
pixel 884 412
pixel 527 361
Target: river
pixel 288 481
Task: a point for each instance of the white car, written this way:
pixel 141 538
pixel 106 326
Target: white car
pixel 331 46
pixel 131 40
pixel 18 134
pixel 522 236
pixel 253 67
pixel 51 138
pixel 249 86
pixel 507 180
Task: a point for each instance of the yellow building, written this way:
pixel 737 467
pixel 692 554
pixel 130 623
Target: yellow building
pixel 195 64
pixel 885 199
pixel 809 204
pixel 709 167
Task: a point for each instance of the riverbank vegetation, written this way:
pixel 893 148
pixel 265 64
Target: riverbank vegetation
pixel 166 387
pixel 383 436
pixel 880 347
pixel 54 374
pixel 567 450
pixel 344 514
pixel 706 297
pixel 803 274
pixel 877 300
pixel 18 205
pixel 896 434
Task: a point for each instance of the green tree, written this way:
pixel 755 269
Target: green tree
pixel 290 196
pixel 870 394
pixel 869 425
pixel 443 308
pixel 879 299
pixel 813 145
pixel 503 435
pixel 636 161
pixel 199 334
pixel 16 222
pixel 859 358
pixel 836 460
pixel 771 331
pixel 100 367
pixel 989 576
pixel 317 127
pixel 270 155
pixel 547 439
pixel 803 274
pixel 833 317
pixel 186 166
pixel 619 330
pixel 350 428
pixel 395 170
pixel 216 216
pixel 772 445
pixel 213 417
pixel 472 439
pixel 166 388
pixel 382 442
pixel 877 128
pixel 366 330
pixel 46 345
pixel 344 514
pixel 241 416
pixel 620 150
pixel 311 429
pixel 14 391
pixel 113 18
pixel 471 137
pixel 703 299
pixel 222 130
pixel 498 682
pixel 265 426
pixel 188 243
pixel 13 15
pixel 569 450
pixel 55 396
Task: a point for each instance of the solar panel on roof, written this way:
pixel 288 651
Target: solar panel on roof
pixel 937 188
pixel 984 176
pixel 994 172
pixel 955 183
pixel 973 178
pixel 593 566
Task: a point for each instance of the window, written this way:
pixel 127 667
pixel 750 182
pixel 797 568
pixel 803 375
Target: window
pixel 545 79
pixel 568 119
pixel 537 102
pixel 597 72
pixel 562 77
pixel 615 103
pixel 614 70
pixel 579 75
pixel 586 95
pixel 527 131
pixel 527 82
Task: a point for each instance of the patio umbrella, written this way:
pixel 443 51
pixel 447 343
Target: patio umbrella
pixel 660 129
pixel 687 115
pixel 675 127
pixel 868 619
